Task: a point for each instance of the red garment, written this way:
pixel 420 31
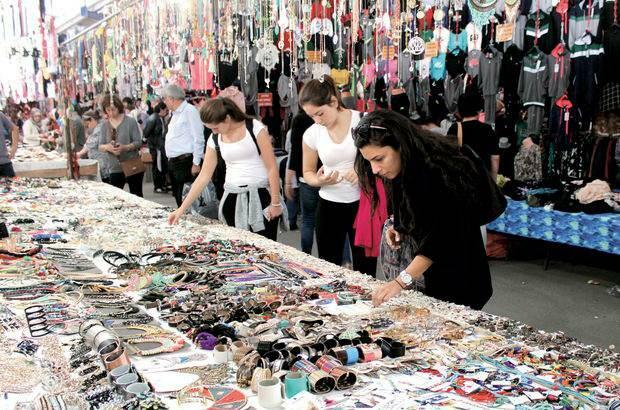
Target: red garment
pixel 368 235
pixel 318 11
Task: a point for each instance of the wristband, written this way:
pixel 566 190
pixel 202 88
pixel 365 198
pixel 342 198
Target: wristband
pixel 344 377
pixel 385 344
pixel 369 352
pixel 398 350
pixel 339 353
pixel 353 355
pixel 305 366
pixel 328 363
pixel 321 382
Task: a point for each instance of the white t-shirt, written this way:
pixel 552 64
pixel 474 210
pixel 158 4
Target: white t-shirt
pixel 474 37
pixel 442 35
pixel 335 157
pixel 244 166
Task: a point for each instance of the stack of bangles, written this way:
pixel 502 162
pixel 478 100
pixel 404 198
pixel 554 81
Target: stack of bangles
pixel 320 381
pixel 345 378
pixel 369 352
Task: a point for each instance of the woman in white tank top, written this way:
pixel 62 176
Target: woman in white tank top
pixel 251 197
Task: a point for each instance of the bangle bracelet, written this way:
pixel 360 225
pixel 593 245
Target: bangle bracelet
pixel 400 284
pixel 277 205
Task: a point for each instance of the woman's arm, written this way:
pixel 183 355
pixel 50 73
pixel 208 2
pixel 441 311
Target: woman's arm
pixel 310 162
pixel 135 138
pixel 266 148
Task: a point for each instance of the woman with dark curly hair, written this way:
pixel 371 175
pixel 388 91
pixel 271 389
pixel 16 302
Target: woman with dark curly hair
pixel 436 200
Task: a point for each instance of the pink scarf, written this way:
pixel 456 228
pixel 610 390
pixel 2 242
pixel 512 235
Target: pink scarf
pixel 368 224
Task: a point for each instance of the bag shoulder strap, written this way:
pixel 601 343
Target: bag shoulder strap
pixel 249 124
pixel 216 141
pixel 459 133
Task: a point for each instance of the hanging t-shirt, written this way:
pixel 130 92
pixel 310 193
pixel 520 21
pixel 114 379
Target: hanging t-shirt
pixel 442 35
pixel 244 166
pixel 472 65
pixel 424 68
pixel 335 157
pixel 474 37
pixel 458 41
pixel 438 67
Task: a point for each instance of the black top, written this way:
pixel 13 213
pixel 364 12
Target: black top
pixel 460 271
pixel 155 131
pixel 301 122
pixel 480 137
pixel 511 69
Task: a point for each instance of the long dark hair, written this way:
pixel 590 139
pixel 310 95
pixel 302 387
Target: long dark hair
pixel 432 168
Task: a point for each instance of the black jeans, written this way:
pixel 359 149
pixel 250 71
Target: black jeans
pixel 334 221
pixel 159 177
pixel 271 227
pixel 309 199
pixel 6 170
pixel 180 171
pixel 119 180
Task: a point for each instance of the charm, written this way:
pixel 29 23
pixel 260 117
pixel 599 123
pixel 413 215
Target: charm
pixel 416 46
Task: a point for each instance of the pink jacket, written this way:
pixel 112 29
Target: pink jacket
pixel 368 224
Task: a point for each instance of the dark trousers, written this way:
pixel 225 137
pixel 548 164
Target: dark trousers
pixel 159 177
pixel 180 171
pixel 293 208
pixel 309 200
pixel 334 221
pixel 118 179
pixel 6 170
pixel 271 227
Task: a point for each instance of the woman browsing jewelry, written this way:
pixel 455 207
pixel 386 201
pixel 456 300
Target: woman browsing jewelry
pixel 251 172
pixel 329 141
pixel 436 194
pixel 120 139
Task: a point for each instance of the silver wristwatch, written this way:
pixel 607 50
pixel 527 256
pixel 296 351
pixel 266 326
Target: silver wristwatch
pixel 405 278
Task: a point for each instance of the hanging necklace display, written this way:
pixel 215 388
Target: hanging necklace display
pixel 268 53
pixel 481 11
pixel 416 45
pixel 338 38
pixel 512 10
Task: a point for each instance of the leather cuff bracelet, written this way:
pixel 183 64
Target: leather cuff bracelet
pixel 345 378
pixel 353 355
pixel 321 382
pixel 339 353
pixel 305 366
pixel 369 352
pixel 398 350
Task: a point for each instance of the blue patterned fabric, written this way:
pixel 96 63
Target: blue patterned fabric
pixel 598 232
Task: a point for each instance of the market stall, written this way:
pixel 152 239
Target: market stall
pixel 36 162
pixel 599 232
pixel 104 304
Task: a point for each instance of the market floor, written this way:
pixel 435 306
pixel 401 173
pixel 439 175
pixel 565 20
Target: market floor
pixel 557 299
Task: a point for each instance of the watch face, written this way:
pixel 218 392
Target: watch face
pixel 405 277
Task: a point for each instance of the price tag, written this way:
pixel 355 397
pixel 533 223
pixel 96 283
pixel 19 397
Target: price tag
pixel 314 56
pixel 504 32
pixel 264 99
pixel 431 49
pixel 388 52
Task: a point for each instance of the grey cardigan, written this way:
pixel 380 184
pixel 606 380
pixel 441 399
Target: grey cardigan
pixel 127 132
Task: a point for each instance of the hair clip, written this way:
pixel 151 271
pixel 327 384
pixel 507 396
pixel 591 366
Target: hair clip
pixel 322 78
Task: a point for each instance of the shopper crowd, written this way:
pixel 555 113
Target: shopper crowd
pixel 359 181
